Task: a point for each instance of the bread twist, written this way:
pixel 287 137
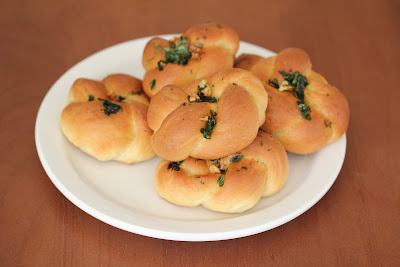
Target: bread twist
pixel 232 184
pixel 302 125
pixel 107 120
pixel 202 50
pixel 209 118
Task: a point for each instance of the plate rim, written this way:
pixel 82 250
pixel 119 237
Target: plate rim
pixel 162 234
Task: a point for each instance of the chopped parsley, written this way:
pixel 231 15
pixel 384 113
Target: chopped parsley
pixel 201 182
pixel 110 107
pixel 156 46
pixel 261 143
pixel 136 92
pixel 203 98
pixel 221 181
pixel 209 126
pixel 91 97
pixel 304 110
pixel 121 98
pixel 274 83
pixel 152 84
pixel 154 54
pixel 244 168
pixel 237 158
pixel 178 54
pixel 175 165
pixel 328 123
pixel 298 82
pixel 235 84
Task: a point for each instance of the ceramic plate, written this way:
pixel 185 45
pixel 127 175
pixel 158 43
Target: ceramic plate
pixel 123 195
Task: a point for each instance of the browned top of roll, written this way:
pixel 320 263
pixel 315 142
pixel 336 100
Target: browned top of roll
pixel 177 117
pixel 329 109
pixel 122 135
pixel 259 170
pixel 212 48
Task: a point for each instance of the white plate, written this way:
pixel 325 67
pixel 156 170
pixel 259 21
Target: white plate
pixel 123 195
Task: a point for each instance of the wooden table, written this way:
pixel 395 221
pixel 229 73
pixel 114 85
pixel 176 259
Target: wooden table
pixel 354 44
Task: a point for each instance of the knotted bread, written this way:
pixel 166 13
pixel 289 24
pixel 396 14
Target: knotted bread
pixel 202 50
pixel 209 118
pixel 107 119
pixel 302 123
pixel 232 184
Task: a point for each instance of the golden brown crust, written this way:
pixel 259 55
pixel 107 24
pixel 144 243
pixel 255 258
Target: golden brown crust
pixel 123 136
pixel 126 86
pixel 330 113
pixel 177 122
pixel 218 45
pixel 262 171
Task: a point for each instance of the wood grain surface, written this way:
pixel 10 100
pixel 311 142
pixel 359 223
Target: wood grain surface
pixel 354 44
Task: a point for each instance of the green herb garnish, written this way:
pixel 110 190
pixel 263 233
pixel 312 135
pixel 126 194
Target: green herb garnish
pixel 274 83
pixel 175 165
pixel 156 46
pixel 209 126
pixel 298 82
pixel 304 110
pixel 237 158
pixel 154 54
pixel 91 97
pixel 235 84
pixel 244 168
pixel 136 92
pixel 200 45
pixel 261 143
pixel 221 181
pixel 152 84
pixel 176 54
pixel 201 182
pixel 328 123
pixel 121 98
pixel 203 98
pixel 110 107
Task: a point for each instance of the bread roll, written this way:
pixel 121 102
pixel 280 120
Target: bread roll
pixel 259 170
pixel 202 50
pixel 108 119
pixel 233 99
pixel 306 126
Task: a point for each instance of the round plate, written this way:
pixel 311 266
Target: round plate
pixel 123 195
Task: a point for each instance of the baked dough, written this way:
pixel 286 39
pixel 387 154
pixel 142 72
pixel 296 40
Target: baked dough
pixel 206 48
pixel 329 113
pixel 259 170
pixel 108 119
pixel 179 116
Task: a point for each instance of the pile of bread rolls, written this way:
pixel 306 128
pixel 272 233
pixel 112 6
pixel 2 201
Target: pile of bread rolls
pixel 221 125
